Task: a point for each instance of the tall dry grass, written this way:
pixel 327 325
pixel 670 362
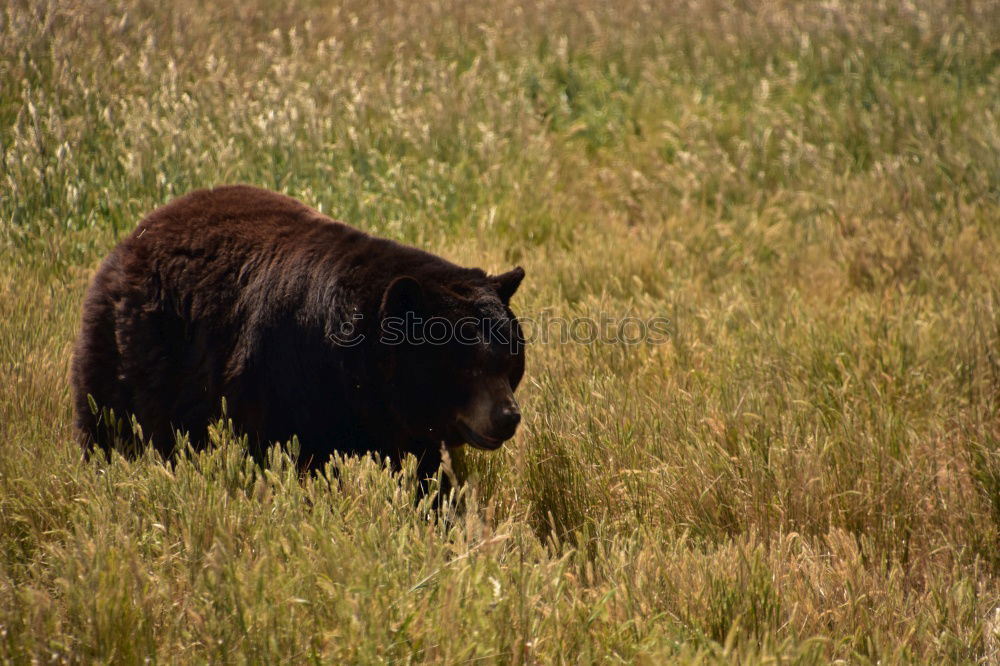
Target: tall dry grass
pixel 808 470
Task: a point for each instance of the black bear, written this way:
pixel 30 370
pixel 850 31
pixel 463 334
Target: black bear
pixel 304 326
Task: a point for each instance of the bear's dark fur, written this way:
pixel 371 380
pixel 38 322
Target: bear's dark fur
pixel 247 295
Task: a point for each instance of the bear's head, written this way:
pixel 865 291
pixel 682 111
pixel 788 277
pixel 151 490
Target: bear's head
pixel 456 356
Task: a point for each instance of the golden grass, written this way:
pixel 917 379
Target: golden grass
pixel 809 470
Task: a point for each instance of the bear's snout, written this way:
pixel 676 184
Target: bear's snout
pixel 491 417
pixel 506 417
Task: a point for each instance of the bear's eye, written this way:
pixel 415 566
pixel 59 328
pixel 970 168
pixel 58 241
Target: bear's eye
pixel 468 333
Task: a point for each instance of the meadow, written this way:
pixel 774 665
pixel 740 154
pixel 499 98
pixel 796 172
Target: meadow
pixel 806 470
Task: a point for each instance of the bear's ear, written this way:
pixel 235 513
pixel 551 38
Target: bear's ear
pixel 507 283
pixel 404 294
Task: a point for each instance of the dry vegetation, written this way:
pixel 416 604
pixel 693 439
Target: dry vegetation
pixel 809 470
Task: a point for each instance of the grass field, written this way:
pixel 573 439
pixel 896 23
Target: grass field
pixel 808 470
